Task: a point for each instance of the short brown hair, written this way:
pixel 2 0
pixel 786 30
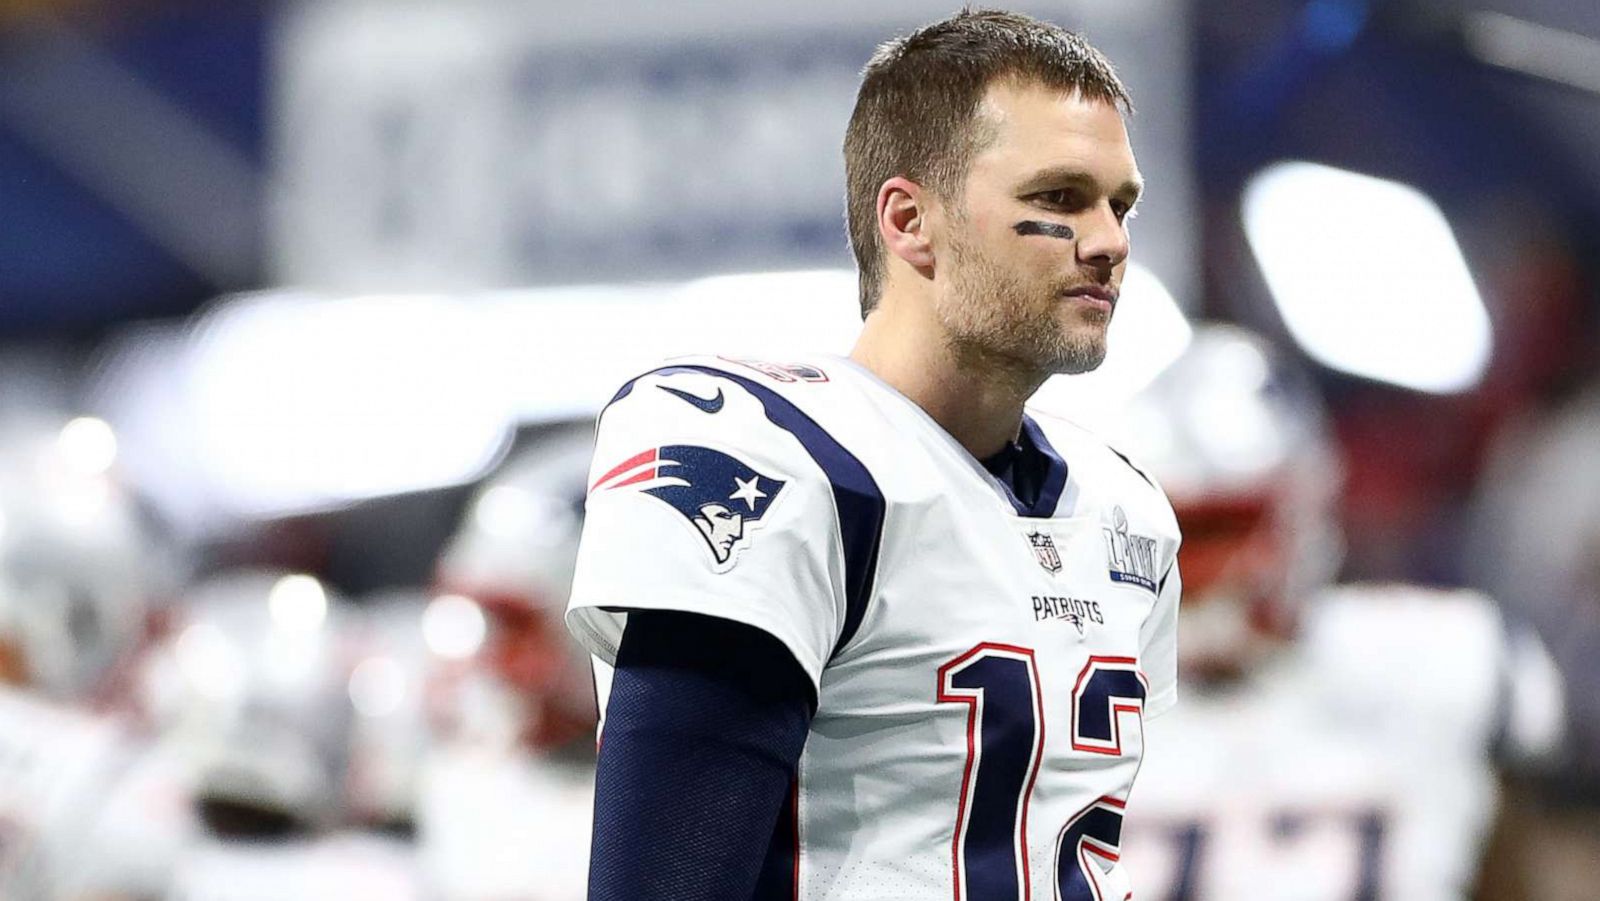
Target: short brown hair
pixel 919 96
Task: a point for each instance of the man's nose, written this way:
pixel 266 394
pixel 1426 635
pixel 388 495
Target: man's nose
pixel 1102 238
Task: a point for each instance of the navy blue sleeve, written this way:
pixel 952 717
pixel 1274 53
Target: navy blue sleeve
pixel 703 733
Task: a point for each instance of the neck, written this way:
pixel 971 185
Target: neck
pixel 975 397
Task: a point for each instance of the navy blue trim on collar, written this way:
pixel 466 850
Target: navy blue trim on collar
pixel 857 497
pixel 1038 464
pixel 1055 480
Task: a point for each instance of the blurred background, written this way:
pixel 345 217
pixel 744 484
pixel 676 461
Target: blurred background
pixel 306 310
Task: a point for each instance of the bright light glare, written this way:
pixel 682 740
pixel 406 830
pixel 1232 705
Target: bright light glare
pixel 84 504
pixel 772 315
pixel 298 603
pixel 567 349
pixel 84 452
pixel 454 627
pixel 304 402
pixel 377 686
pixel 88 446
pixel 1368 276
pixel 1565 57
pixel 1148 332
pixel 209 662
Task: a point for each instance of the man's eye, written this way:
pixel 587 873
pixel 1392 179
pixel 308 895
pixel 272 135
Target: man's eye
pixel 1063 198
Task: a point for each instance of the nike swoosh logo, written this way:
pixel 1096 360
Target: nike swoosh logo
pixel 708 404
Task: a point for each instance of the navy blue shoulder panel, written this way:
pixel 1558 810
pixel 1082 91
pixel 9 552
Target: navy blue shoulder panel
pixel 856 495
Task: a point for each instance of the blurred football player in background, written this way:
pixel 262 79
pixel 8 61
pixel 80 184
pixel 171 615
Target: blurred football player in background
pixel 1337 741
pixel 86 808
pixel 1538 548
pixel 250 690
pixel 506 798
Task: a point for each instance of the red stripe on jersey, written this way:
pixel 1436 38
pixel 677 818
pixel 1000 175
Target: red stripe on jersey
pixel 638 459
pixel 796 804
pixel 643 475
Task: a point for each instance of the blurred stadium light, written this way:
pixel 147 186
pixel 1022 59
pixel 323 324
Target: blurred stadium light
pixel 1368 276
pixel 282 403
pixel 565 350
pixel 454 627
pixel 307 402
pixel 88 445
pixel 297 603
pixel 1555 54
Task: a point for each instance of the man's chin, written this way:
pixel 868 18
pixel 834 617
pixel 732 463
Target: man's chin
pixel 1080 342
pixel 1079 358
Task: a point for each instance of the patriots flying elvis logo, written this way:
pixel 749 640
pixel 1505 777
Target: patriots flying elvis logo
pixel 723 497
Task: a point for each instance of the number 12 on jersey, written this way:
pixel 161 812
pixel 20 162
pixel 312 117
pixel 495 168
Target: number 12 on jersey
pixel 999 683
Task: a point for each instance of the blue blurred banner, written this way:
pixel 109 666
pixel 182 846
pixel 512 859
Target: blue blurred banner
pixel 484 145
pixel 129 164
pixel 444 157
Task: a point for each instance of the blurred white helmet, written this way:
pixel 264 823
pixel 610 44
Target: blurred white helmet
pixel 251 684
pixel 1241 445
pixel 502 586
pixel 79 568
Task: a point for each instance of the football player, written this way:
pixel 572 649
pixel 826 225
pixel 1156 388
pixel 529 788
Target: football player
pixel 1336 741
pixel 866 629
pixel 508 783
pixel 87 808
pixel 1537 548
pixel 251 689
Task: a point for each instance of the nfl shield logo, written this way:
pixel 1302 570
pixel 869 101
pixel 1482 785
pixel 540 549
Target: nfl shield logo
pixel 1044 550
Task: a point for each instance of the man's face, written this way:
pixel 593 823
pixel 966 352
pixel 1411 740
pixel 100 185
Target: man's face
pixel 1035 247
pixel 722 527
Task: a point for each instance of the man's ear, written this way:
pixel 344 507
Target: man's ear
pixel 903 221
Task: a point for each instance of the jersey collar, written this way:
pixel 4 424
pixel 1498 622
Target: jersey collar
pixel 1043 470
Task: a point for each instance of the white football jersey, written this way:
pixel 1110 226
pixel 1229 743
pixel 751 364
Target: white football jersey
pixel 983 664
pixel 85 808
pixel 1356 764
pixel 494 824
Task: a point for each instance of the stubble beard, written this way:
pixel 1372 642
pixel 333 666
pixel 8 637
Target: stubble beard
pixel 992 318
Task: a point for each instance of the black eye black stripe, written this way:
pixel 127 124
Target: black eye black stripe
pixel 1047 229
